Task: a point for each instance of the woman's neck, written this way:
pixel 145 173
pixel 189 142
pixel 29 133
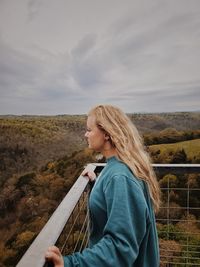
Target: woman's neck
pixel 109 153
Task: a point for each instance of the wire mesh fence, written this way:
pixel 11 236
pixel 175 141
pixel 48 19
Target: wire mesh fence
pixel 178 221
pixel 75 234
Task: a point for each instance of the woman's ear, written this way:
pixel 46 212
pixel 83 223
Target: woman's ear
pixel 107 137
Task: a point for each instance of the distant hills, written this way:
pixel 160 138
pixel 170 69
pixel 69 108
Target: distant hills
pixel 29 142
pixel 181 121
pixel 41 157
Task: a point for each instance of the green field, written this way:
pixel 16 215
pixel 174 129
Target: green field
pixel 191 148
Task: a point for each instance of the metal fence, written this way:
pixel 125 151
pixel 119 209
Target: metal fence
pixel 178 221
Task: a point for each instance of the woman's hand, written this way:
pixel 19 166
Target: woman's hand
pixel 53 254
pixel 90 174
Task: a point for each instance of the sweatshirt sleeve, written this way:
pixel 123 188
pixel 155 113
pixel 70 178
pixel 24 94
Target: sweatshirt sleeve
pixel 124 230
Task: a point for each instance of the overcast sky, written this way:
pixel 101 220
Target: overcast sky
pixel 65 56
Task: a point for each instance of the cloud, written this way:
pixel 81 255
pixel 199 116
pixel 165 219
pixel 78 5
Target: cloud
pixel 24 76
pixel 33 7
pixel 84 46
pixel 133 55
pixel 86 63
pixel 145 53
pixel 17 71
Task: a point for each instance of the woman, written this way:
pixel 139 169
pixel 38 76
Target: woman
pixel 122 201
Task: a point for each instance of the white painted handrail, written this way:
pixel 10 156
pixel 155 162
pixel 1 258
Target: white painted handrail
pixel 34 256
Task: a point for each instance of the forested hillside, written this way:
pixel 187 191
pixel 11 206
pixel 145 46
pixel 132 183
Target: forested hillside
pixel 27 201
pixel 41 157
pixel 181 121
pixel 28 142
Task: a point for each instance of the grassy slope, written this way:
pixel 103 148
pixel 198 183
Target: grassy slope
pixel 191 147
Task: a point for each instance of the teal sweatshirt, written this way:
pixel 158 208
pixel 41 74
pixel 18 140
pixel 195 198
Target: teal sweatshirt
pixel 123 230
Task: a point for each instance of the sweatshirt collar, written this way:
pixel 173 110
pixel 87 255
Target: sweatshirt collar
pixel 111 159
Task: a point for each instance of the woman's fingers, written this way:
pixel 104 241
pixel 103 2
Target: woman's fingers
pixel 90 174
pixel 55 250
pixel 53 254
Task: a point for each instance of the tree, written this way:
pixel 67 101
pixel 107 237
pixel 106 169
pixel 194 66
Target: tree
pixel 179 157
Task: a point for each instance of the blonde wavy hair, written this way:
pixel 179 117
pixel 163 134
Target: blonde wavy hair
pixel 128 144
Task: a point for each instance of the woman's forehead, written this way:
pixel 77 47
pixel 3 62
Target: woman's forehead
pixel 91 120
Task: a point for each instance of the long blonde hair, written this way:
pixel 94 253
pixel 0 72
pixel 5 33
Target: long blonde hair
pixel 128 144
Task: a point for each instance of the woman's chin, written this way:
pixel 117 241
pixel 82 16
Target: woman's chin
pixel 89 146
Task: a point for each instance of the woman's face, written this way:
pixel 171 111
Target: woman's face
pixel 96 138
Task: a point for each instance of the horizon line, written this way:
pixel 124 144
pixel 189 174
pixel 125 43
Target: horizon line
pixel 84 114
